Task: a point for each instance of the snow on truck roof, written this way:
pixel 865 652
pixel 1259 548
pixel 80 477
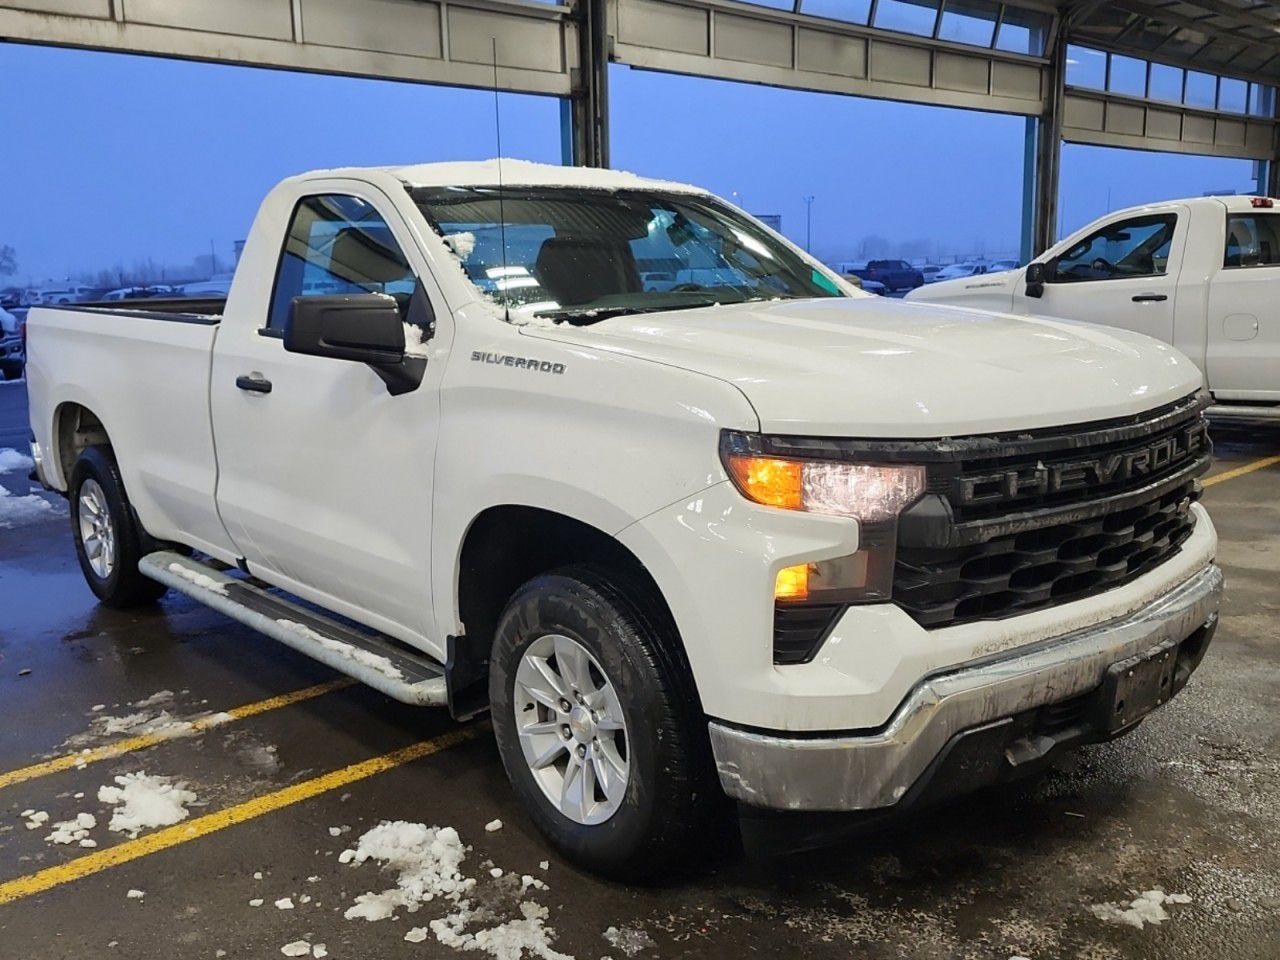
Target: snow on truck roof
pixel 517 173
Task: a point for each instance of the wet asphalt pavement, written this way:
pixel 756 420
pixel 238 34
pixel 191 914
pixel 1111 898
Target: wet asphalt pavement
pixel 1189 803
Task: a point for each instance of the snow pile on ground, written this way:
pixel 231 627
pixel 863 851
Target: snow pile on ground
pixel 199 579
pixel 505 941
pixel 15 510
pixel 630 941
pixel 11 461
pixel 428 860
pixel 34 818
pixel 74 831
pixel 373 661
pixel 143 801
pixel 1148 907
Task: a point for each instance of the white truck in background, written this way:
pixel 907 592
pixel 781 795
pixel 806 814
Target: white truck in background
pixel 1201 274
pixel 755 535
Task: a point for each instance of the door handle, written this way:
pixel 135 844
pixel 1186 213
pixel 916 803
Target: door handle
pixel 1150 298
pixel 253 384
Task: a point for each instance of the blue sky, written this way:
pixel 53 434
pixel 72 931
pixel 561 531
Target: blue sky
pixel 114 159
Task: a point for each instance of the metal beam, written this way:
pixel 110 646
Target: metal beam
pixel 1048 156
pixel 589 102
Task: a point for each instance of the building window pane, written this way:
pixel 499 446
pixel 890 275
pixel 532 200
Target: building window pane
pixel 776 4
pixel 1233 95
pixel 1086 68
pixel 1023 31
pixel 907 16
pixel 850 11
pixel 1128 76
pixel 1262 100
pixel 969 21
pixel 1202 89
pixel 1166 83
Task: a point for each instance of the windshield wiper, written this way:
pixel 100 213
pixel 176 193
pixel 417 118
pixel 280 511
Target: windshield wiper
pixel 587 315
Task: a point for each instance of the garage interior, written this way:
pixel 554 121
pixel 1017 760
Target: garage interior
pixel 1189 804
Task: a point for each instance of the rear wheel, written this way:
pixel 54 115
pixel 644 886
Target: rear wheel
pixel 109 542
pixel 596 731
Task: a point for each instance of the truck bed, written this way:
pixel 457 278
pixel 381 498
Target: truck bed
pixel 206 310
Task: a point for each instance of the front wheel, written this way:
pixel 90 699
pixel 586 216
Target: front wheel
pixel 107 536
pixel 599 737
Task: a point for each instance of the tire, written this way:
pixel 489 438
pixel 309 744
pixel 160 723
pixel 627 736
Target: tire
pixel 10 371
pixel 664 810
pixel 100 507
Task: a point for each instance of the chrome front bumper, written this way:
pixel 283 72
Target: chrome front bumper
pixel 875 770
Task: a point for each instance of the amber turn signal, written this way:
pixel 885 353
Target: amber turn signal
pixel 775 483
pixel 792 583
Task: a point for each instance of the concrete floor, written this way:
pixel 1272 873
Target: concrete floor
pixel 1189 803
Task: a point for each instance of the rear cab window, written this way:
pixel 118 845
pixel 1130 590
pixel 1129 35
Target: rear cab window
pixel 1253 240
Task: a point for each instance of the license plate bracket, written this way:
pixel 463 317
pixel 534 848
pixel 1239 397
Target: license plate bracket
pixel 1135 686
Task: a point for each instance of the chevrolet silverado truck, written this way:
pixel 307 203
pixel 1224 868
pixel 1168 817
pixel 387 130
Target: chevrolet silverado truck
pixel 1201 274
pixel 758 536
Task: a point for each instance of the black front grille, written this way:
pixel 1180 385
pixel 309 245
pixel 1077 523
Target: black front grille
pixel 1037 568
pixel 1050 519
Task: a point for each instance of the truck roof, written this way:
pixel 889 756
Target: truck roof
pixel 485 173
pixel 1234 203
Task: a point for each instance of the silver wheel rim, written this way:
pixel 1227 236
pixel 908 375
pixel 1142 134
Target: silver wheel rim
pixel 97 532
pixel 571 729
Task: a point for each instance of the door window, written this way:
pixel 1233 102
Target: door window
pixel 1253 240
pixel 339 244
pixel 1130 248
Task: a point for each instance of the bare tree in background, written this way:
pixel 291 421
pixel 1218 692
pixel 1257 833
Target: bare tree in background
pixel 8 260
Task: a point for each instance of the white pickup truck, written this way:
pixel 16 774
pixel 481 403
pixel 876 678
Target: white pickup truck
pixel 1201 274
pixel 758 534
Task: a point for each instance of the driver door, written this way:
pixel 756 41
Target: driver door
pixel 1123 274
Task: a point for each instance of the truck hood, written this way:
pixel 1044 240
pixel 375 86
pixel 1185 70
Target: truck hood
pixel 994 287
pixel 872 367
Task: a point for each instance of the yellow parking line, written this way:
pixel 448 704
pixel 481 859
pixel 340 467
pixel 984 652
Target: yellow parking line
pixel 142 741
pixel 1241 471
pixel 181 833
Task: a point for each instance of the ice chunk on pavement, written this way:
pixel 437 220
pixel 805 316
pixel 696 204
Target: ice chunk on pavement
pixel 143 801
pixel 157 698
pixel 630 941
pixel 136 894
pixel 417 935
pixel 493 826
pixel 256 902
pixel 11 461
pixel 299 948
pixel 16 511
pixel 319 950
pixel 284 903
pixel 1147 907
pixel 73 831
pixel 527 935
pixel 427 860
pixel 35 818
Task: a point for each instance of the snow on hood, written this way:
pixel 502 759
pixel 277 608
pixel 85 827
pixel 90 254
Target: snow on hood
pixel 523 173
pixel 878 368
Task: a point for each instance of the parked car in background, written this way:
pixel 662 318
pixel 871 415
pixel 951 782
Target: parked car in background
pixel 957 271
pixel 219 285
pixel 69 293
pixel 765 536
pixel 870 286
pixel 12 354
pixel 929 271
pixel 10 297
pixel 894 274
pixel 1201 274
pixel 139 293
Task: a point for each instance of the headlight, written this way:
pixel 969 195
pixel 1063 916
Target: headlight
pixel 809 597
pixel 870 493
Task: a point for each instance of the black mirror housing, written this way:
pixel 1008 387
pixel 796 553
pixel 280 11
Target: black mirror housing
pixel 364 327
pixel 1037 274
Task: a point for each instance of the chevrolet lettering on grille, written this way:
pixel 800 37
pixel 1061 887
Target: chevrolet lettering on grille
pixel 1150 459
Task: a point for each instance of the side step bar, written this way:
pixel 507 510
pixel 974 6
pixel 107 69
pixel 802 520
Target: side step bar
pixel 1227 411
pixel 369 658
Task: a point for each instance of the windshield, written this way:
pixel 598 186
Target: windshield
pixel 580 255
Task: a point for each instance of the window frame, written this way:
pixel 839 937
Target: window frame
pixel 1170 218
pixel 420 288
pixel 1251 215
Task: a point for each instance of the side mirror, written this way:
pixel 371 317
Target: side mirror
pixel 1037 274
pixel 364 327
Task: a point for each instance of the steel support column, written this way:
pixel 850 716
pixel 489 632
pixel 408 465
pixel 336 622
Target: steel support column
pixel 1048 158
pixel 589 103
